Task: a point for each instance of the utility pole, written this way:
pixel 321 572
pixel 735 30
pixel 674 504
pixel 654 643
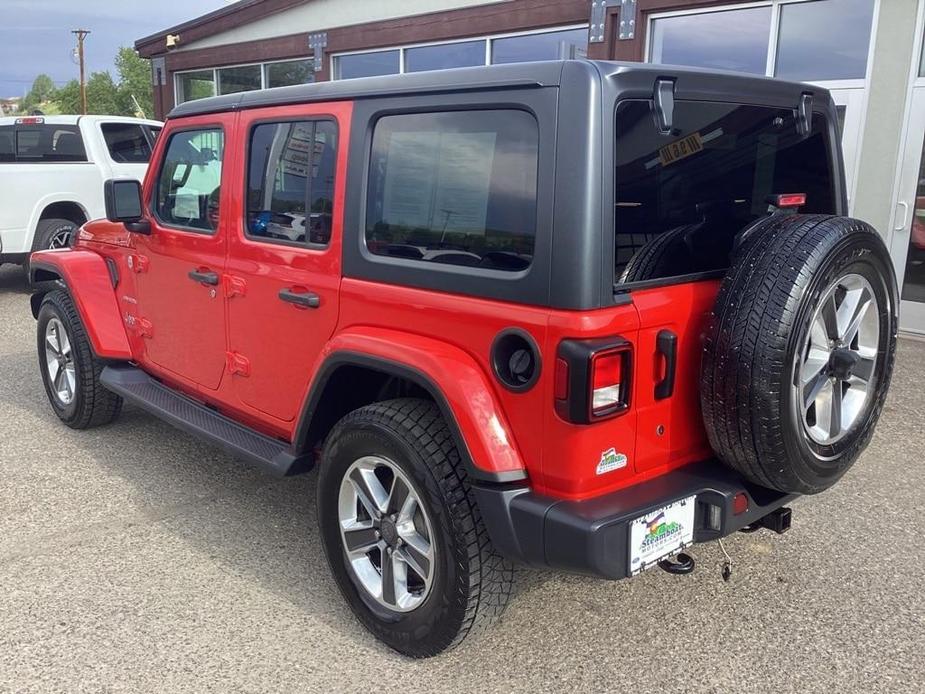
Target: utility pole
pixel 81 35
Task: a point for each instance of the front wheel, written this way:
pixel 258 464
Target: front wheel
pixel 401 530
pixel 70 369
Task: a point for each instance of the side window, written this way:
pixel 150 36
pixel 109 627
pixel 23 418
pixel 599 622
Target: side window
pixel 189 180
pixel 290 181
pixel 456 187
pixel 126 143
pixel 682 200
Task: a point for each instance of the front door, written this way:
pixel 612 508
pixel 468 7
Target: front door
pixel 179 265
pixel 907 245
pixel 284 258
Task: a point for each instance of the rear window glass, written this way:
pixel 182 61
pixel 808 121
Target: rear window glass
pixel 456 188
pixel 41 143
pixel 127 143
pixel 682 199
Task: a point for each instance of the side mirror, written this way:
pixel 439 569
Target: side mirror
pixel 124 204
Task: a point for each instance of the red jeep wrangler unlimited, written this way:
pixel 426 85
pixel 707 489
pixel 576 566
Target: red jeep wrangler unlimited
pixel 573 314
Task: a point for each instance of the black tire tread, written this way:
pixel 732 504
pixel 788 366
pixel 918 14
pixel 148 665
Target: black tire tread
pixel 421 425
pixel 98 405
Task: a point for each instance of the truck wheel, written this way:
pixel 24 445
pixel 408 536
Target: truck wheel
pixel 53 233
pixel 70 370
pixel 799 351
pixel 402 532
pixel 663 256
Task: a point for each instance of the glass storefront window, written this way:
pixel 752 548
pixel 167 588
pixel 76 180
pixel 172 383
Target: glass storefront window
pixel 550 45
pixel 244 78
pixel 196 85
pixel 728 40
pixel 289 72
pixel 367 64
pixel 824 40
pixel 446 55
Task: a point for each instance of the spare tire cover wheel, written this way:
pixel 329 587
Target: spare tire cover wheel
pixel 799 351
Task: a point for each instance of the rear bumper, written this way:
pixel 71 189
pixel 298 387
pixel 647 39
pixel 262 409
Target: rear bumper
pixel 592 536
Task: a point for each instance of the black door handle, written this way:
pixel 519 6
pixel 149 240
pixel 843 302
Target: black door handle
pixel 203 277
pixel 307 299
pixel 666 344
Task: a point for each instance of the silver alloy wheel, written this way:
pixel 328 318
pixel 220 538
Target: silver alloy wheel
pixel 386 533
pixel 835 372
pixel 61 237
pixel 59 362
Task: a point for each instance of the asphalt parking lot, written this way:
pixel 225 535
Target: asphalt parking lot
pixel 134 558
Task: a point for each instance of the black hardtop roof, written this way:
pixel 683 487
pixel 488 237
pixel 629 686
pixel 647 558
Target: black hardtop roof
pixel 722 84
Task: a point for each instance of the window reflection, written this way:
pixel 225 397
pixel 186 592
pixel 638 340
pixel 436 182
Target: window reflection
pixel 824 40
pixel 447 55
pixel 729 40
pixel 367 64
pixel 551 45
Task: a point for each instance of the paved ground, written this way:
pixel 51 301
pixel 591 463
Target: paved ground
pixel 134 558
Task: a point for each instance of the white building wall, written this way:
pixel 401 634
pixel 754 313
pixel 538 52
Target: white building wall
pixel 326 14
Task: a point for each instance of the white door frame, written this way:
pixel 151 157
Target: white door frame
pixel 905 186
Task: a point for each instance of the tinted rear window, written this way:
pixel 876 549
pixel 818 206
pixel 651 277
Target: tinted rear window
pixel 127 143
pixel 682 199
pixel 42 143
pixel 455 188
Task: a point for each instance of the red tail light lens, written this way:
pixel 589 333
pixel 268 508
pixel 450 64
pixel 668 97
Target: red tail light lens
pixel 740 503
pixel 607 382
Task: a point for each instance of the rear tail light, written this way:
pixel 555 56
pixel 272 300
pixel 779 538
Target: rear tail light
pixel 592 379
pixel 607 382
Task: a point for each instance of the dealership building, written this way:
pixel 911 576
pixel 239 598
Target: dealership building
pixel 867 52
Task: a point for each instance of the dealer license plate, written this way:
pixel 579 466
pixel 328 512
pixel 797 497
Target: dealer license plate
pixel 661 533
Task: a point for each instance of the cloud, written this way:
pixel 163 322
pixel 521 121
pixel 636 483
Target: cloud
pixel 35 35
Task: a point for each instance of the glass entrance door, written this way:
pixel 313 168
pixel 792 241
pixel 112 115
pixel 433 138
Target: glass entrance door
pixel 908 239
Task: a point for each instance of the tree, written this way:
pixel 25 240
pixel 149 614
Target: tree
pixel 102 96
pixel 43 89
pixel 134 81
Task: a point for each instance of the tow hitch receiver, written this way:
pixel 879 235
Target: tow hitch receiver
pixel 777 520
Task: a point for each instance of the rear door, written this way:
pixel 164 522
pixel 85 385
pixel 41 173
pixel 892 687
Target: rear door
pixel 681 202
pixel 284 260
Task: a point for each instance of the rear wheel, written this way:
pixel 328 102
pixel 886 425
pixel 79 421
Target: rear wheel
pixel 401 530
pixel 799 353
pixel 70 370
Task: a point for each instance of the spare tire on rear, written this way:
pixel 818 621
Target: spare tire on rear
pixel 799 350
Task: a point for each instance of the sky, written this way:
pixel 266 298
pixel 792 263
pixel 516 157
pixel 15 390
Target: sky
pixel 35 35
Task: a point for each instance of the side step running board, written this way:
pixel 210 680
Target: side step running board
pixel 136 387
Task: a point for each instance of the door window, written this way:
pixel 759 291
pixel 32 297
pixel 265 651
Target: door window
pixel 455 188
pixel 126 142
pixel 290 189
pixel 913 288
pixel 188 184
pixel 681 200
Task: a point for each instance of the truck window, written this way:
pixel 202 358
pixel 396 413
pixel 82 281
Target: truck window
pixel 42 143
pixel 126 143
pixel 457 188
pixel 290 189
pixel 681 199
pixel 189 179
pixel 6 143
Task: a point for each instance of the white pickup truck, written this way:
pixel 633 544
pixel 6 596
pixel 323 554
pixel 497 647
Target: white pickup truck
pixel 52 170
